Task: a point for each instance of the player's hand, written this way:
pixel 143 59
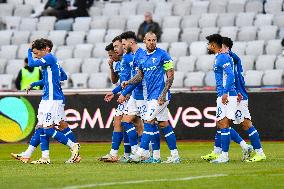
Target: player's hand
pixel 240 97
pixel 109 96
pixel 110 62
pixel 161 100
pixel 121 99
pixel 28 89
pixel 225 99
pixel 124 84
pixel 127 97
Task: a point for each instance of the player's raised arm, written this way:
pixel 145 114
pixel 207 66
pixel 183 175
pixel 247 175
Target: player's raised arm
pixel 63 75
pixel 41 51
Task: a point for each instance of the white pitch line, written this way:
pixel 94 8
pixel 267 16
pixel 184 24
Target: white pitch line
pixel 142 181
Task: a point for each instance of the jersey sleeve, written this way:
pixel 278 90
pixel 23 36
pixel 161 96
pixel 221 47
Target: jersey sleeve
pixel 63 75
pixel 167 61
pixel 129 89
pixel 37 83
pixel 44 61
pixel 225 64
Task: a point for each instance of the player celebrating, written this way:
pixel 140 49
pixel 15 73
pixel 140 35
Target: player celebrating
pixel 155 65
pixel 50 111
pixel 226 93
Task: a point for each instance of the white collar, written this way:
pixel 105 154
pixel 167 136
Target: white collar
pixel 151 52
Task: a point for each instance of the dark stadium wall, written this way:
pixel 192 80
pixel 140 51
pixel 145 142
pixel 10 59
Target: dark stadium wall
pixel 191 114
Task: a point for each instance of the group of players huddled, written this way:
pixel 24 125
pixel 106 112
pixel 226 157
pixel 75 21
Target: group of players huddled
pixel 145 77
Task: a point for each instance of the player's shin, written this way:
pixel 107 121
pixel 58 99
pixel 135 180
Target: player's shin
pixel 156 142
pixel 34 142
pixel 217 145
pixel 225 141
pixel 238 139
pixel 255 140
pixel 69 134
pixel 59 136
pixel 44 145
pixel 171 140
pixel 127 148
pixel 132 135
pixel 116 141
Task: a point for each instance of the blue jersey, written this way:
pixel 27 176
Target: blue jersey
pixel 239 78
pixel 154 72
pixel 51 76
pixel 224 75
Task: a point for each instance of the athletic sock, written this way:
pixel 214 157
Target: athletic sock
pixel 225 140
pixel 255 140
pixel 170 139
pixel 60 137
pixel 69 134
pixel 156 142
pixel 127 148
pixel 146 136
pixel 218 146
pixel 44 145
pixel 132 135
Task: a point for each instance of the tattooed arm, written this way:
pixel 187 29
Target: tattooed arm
pixel 136 79
pixel 168 84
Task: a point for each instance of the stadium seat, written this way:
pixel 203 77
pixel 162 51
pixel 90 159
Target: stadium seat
pixel 209 79
pixel 117 22
pixel 46 23
pixel 207 31
pixel 6 9
pixel 236 6
pixel 95 11
pixel 33 3
pixel 229 31
pixel 23 10
pixel 6 81
pixel 79 80
pixel 82 24
pixel 7 39
pixel 8 51
pixel 190 21
pixel 267 32
pixel 253 78
pixel 57 36
pixel 239 47
pixel 274 47
pixel 226 19
pixel 178 49
pixel 83 51
pixel 113 11
pixel 170 35
pixel 247 33
pixel 254 6
pixel 15 2
pixel 208 20
pixel 164 46
pixel 99 50
pixel 245 19
pixel 143 7
pixel 3 63
pixel 128 8
pixel 278 20
pixel 14 66
pixel 199 7
pixel 219 6
pixel 96 36
pixel 112 33
pixel 279 64
pixel 265 62
pixel 194 79
pixel 134 22
pixel 205 62
pixel 272 77
pixel 178 81
pixel 20 37
pixel 104 67
pixel 64 24
pixel 98 81
pixel 28 24
pixel 198 48
pixel 38 34
pixel 72 65
pixel 247 62
pixel 75 37
pixel 164 9
pixel 23 51
pixel 64 52
pixel 181 9
pixel 186 64
pixel 190 35
pixel 255 47
pixel 273 6
pixel 172 22
pixel 99 22
pixel 91 65
pixel 281 33
pixel 263 19
pixel 12 22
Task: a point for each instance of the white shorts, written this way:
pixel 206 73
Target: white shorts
pixel 155 111
pixel 50 112
pixel 242 112
pixel 228 110
pixel 136 107
pixel 120 109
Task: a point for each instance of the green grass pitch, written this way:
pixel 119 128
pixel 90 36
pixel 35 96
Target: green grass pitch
pixel 191 173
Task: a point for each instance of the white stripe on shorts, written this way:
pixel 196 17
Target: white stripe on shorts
pixel 55 132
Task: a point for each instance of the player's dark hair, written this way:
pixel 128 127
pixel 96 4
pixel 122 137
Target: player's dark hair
pixel 215 38
pixel 39 44
pixel 49 43
pixel 26 60
pixel 109 47
pixel 228 42
pixel 117 38
pixel 129 35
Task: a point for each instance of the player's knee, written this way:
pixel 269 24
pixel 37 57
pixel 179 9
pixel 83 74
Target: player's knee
pixel 62 125
pixel 163 124
pixel 117 127
pixel 224 123
pixel 246 124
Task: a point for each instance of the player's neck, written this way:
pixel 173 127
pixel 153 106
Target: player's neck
pixel 135 48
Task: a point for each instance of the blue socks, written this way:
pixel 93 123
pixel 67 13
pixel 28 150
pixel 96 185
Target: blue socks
pixel 146 137
pixel 218 139
pixel 44 142
pixel 116 140
pixel 235 136
pixel 254 138
pixel 156 138
pixel 69 134
pixel 131 132
pixel 170 137
pixel 35 140
pixel 225 139
pixel 127 148
pixel 57 135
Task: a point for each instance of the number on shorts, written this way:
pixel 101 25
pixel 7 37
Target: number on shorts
pixel 48 116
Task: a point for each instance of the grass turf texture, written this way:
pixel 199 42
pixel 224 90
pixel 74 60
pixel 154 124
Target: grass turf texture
pixel 268 174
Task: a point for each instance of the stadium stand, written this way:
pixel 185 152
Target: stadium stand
pixel 256 26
